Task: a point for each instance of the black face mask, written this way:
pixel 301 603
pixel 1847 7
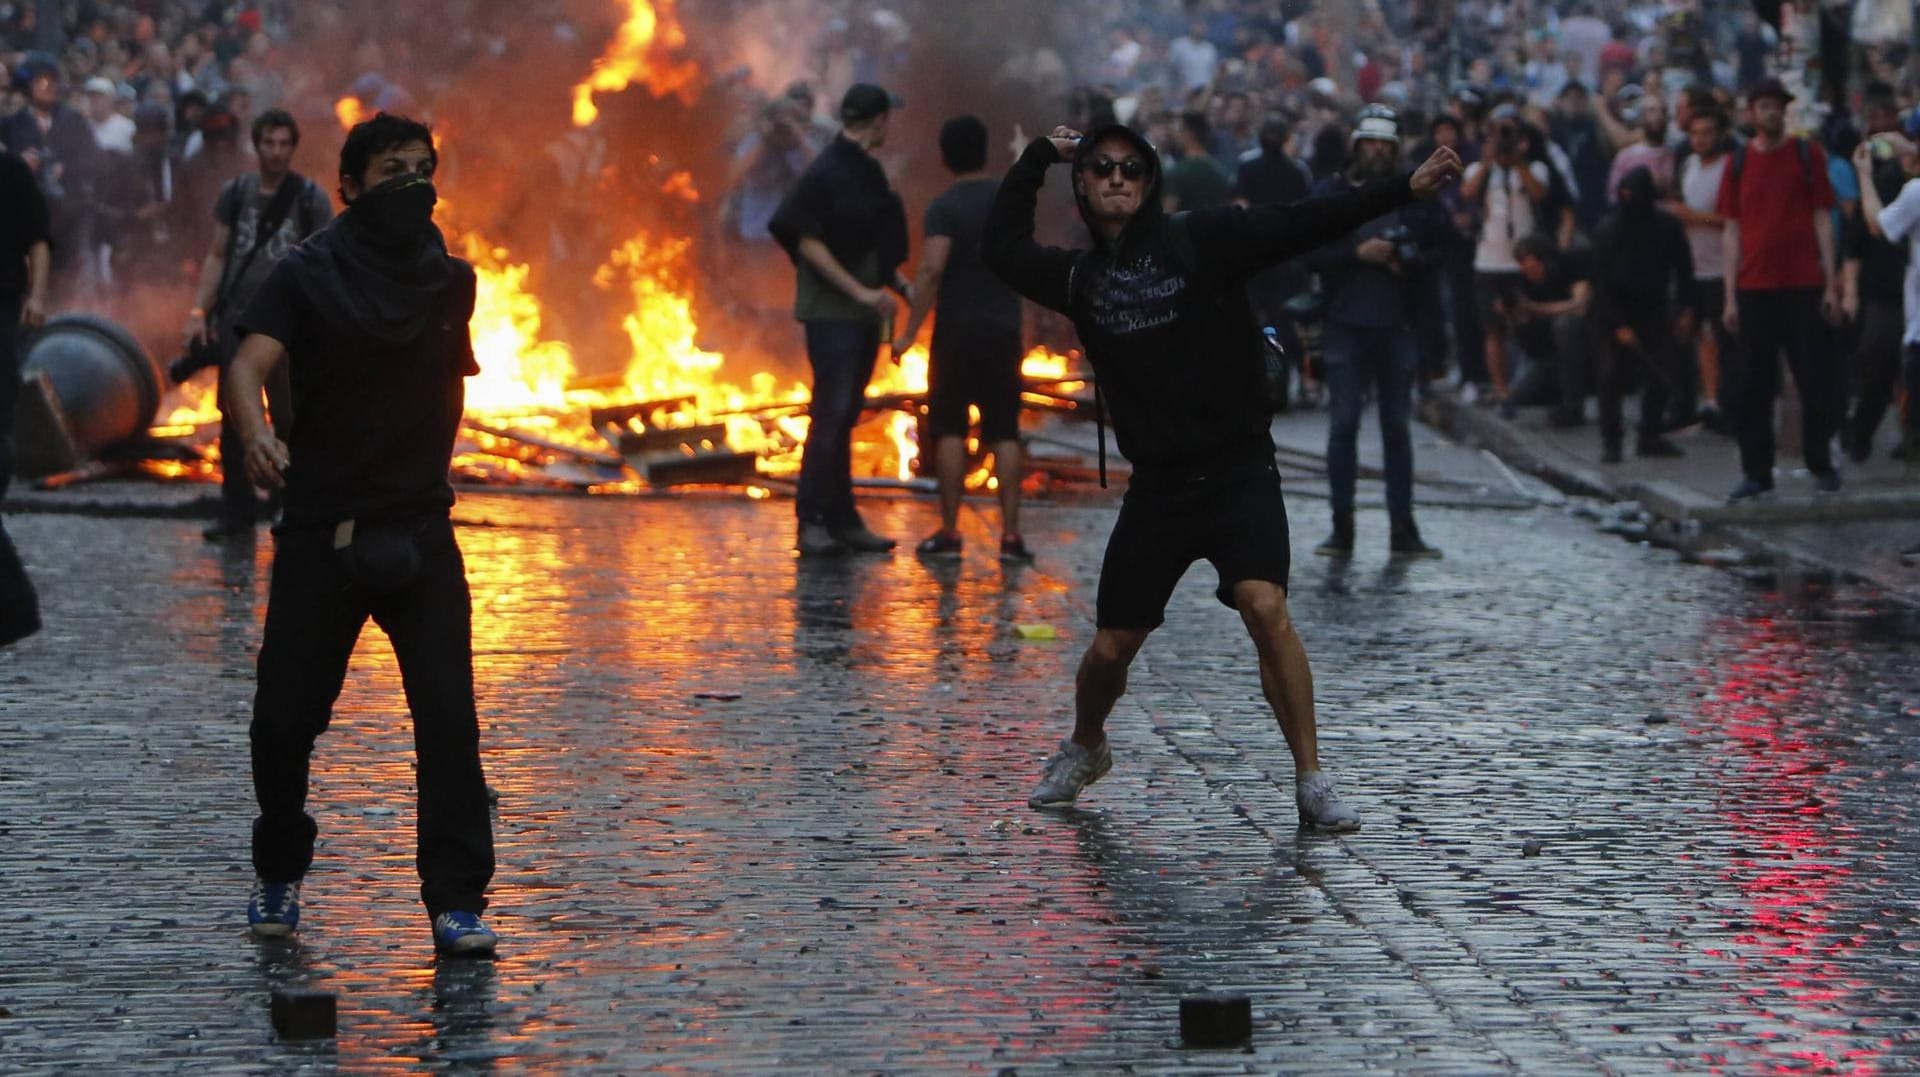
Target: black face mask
pixel 398 210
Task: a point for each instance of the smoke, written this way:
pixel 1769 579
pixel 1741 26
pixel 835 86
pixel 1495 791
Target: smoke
pixel 496 78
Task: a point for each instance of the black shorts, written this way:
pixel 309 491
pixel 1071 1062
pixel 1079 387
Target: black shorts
pixel 1495 289
pixel 1707 299
pixel 979 365
pixel 1235 519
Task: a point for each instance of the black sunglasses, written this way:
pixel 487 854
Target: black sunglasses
pixel 1133 168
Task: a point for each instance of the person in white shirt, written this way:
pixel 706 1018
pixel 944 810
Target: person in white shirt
pixel 1193 57
pixel 112 132
pixel 1899 223
pixel 1697 199
pixel 1509 189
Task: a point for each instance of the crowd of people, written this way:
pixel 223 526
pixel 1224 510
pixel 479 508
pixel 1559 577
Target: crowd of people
pixel 1587 253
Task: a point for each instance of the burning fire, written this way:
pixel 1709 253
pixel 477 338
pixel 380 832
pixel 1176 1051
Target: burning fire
pixel 530 392
pixel 640 52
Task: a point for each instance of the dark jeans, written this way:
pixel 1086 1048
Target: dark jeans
pixel 1651 362
pixel 1384 360
pixel 1469 337
pixel 1877 363
pixel 10 343
pixel 1558 374
pixel 238 501
pixel 842 355
pixel 19 606
pixel 314 617
pixel 1772 321
pixel 1911 374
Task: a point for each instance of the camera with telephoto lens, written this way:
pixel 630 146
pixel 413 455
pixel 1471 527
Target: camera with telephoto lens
pixel 1406 250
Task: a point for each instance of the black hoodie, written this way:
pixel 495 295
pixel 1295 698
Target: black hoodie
pixel 1173 346
pixel 1642 262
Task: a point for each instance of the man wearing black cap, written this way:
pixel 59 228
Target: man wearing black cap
pixel 846 231
pixel 1781 282
pixel 1160 305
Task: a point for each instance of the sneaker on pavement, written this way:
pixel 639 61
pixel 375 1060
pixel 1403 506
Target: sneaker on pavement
pixel 816 541
pixel 859 539
pixel 1071 769
pixel 461 934
pixel 1827 482
pixel 274 909
pixel 942 543
pixel 1013 550
pixel 1750 489
pixel 1321 807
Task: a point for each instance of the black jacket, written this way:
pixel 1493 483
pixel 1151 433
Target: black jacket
pixel 843 200
pixel 1173 346
pixel 1642 263
pixel 1369 296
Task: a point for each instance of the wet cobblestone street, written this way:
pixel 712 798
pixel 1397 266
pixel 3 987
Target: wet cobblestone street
pixel 1623 814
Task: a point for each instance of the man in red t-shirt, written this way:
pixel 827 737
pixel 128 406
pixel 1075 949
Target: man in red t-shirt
pixel 1781 286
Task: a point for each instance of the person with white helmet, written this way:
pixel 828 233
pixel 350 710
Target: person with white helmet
pixel 1370 277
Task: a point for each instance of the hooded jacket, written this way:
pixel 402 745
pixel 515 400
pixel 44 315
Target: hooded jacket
pixel 1174 348
pixel 1642 263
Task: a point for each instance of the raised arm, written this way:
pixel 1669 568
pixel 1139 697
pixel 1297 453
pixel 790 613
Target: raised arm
pixel 1236 243
pixel 1038 272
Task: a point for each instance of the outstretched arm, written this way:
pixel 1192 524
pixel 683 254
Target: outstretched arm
pixel 1235 243
pixel 1040 273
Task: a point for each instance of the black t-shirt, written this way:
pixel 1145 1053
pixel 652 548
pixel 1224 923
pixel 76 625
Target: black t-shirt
pixel 1564 270
pixel 23 223
pixel 373 424
pixel 969 292
pixel 1883 265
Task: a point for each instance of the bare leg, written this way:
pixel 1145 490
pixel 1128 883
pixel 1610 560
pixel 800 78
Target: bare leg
pixel 1101 682
pixel 1285 676
pixel 1009 467
pixel 950 468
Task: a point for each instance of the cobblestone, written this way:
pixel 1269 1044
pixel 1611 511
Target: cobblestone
pixel 758 815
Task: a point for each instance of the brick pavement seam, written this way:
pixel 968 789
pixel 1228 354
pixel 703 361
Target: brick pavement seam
pixel 1505 994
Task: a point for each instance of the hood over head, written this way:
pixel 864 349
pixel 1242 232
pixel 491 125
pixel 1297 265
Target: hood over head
pixel 1637 193
pixel 1150 210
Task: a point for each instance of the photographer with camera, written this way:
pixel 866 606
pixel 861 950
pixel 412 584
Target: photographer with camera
pixel 261 216
pixel 1370 279
pixel 1510 188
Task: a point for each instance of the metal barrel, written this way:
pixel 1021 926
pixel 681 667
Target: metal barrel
pixel 88 387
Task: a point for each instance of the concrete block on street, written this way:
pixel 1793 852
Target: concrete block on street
pixel 1216 1020
pixel 305 1015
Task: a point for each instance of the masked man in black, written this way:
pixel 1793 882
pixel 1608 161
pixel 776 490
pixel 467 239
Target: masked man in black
pixel 371 314
pixel 1160 306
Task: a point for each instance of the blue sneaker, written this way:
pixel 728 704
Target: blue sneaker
pixel 274 909
pixel 461 934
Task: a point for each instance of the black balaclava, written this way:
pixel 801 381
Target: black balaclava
pixel 382 266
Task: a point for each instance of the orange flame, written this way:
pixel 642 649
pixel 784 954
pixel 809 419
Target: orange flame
pixel 639 52
pixel 349 111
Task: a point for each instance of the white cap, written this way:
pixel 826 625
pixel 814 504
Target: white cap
pixel 100 84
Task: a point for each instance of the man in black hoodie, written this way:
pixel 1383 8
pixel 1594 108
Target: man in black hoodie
pixel 1642 270
pixel 371 316
pixel 1160 305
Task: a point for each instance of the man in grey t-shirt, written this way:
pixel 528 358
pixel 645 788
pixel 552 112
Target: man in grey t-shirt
pixel 260 216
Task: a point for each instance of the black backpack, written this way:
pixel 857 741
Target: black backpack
pixel 1739 163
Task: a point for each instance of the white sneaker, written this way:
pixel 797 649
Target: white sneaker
pixel 1321 807
pixel 1071 769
